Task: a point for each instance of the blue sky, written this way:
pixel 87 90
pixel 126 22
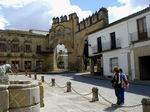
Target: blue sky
pixel 94 5
pixel 38 14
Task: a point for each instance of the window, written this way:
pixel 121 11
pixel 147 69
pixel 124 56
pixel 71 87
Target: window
pixel 2 47
pixel 99 44
pixel 2 62
pixel 113 40
pixel 15 48
pixel 27 65
pixel 142 30
pixel 38 48
pixel 28 48
pixel 113 63
pixel 86 49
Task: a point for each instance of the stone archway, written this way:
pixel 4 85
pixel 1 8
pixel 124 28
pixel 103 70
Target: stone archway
pixel 60 58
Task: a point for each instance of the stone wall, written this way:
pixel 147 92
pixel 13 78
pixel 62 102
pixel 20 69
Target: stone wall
pixel 21 39
pixel 73 34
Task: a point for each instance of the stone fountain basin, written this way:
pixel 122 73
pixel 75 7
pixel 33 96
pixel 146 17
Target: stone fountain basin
pixel 20 96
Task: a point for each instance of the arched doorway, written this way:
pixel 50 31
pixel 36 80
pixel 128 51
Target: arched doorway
pixel 61 58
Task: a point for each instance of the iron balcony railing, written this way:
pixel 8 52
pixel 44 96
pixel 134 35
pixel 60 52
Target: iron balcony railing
pixel 107 45
pixel 136 36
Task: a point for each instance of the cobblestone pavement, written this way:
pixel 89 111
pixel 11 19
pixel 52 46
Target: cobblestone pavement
pixel 57 100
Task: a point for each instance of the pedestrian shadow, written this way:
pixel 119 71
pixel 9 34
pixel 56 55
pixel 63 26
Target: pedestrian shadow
pixel 112 108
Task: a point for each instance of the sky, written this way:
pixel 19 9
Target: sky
pixel 38 14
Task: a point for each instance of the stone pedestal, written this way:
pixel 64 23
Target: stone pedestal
pixel 20 96
pixel 4 98
pixel 4 79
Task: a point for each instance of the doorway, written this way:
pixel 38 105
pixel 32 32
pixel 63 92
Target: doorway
pixel 144 65
pixel 61 58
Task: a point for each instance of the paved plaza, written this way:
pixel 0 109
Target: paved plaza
pixel 57 100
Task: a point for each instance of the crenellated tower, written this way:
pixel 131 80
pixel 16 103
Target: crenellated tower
pixel 72 33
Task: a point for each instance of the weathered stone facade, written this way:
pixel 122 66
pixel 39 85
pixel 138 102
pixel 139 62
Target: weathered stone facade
pixel 20 48
pixel 73 34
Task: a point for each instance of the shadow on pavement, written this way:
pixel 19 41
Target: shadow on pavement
pixel 133 88
pixel 112 108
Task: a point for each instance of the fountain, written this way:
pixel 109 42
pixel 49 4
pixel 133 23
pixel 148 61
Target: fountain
pixel 16 95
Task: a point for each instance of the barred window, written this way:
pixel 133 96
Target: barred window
pixel 28 48
pixel 15 47
pixel 113 63
pixel 2 47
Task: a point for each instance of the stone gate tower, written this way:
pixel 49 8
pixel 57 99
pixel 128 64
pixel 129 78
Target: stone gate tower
pixel 71 33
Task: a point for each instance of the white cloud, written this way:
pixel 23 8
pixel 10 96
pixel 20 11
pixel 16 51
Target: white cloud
pixel 127 7
pixel 37 14
pixel 15 3
pixel 3 22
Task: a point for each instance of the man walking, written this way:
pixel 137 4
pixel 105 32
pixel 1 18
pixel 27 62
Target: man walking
pixel 124 84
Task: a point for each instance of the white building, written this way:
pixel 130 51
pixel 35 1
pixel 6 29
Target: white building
pixel 124 43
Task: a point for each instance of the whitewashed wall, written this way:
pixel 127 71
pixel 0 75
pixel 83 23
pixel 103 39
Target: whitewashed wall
pixel 122 56
pixel 125 32
pixel 132 26
pixel 121 33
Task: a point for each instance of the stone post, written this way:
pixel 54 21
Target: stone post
pixel 146 104
pixel 53 81
pixel 42 78
pixel 29 75
pixel 35 76
pixel 95 94
pixel 92 66
pixel 41 94
pixel 68 87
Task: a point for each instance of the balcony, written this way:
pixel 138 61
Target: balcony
pixel 107 45
pixel 137 37
pixel 44 51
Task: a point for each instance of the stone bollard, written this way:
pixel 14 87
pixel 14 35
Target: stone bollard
pixel 35 76
pixel 29 75
pixel 53 81
pixel 41 94
pixel 95 94
pixel 42 78
pixel 146 104
pixel 68 87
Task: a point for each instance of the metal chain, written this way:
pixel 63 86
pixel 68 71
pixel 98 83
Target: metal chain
pixel 105 98
pixel 60 86
pixel 48 83
pixel 80 93
pixel 132 106
pixel 91 93
pixel 126 106
pixel 38 80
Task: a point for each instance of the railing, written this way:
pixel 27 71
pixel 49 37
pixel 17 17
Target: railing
pixel 134 36
pixel 118 43
pixel 44 50
pixel 107 45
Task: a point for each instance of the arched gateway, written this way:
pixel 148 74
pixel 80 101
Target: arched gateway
pixel 60 58
pixel 70 33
